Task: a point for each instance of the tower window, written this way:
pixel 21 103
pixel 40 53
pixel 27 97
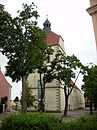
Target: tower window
pixel 47 25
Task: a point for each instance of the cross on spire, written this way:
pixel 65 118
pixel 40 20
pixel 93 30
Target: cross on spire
pixel 46 16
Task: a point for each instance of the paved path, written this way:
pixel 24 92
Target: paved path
pixel 76 114
pixel 71 115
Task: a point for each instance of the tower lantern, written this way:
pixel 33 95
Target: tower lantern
pixel 47 25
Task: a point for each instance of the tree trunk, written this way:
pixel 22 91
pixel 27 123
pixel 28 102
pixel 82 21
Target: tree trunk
pixel 91 111
pixel 24 101
pixel 44 89
pixel 66 101
pixel 41 106
pixel 66 106
pixel 41 102
pixel 95 105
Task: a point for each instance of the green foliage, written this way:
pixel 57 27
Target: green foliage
pixel 84 123
pixel 22 42
pixel 46 122
pixel 30 97
pixel 31 122
pixel 90 82
pixel 64 68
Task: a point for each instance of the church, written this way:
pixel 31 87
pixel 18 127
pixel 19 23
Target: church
pixel 54 91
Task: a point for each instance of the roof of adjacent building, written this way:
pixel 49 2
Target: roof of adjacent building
pixel 4 85
pixel 75 86
pixel 52 38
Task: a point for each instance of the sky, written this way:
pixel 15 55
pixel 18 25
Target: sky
pixel 69 19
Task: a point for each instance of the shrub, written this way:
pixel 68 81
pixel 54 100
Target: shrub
pixel 46 122
pixel 30 122
pixel 84 123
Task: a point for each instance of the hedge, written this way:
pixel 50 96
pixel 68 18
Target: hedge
pixel 46 122
pixel 30 122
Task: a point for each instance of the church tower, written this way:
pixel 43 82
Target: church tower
pixel 47 26
pixel 54 92
pixel 92 10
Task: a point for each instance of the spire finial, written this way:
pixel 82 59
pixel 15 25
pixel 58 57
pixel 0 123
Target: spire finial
pixel 46 16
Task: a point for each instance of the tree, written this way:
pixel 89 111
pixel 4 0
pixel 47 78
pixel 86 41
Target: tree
pixel 90 84
pixel 42 70
pixel 30 97
pixel 23 43
pixel 63 68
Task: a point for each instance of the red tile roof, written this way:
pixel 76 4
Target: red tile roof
pixel 4 86
pixel 52 39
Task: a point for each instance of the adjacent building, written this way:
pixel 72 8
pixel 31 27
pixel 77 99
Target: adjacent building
pixel 5 88
pixel 54 92
pixel 92 10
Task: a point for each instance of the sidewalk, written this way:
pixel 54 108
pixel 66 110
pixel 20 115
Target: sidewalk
pixel 76 114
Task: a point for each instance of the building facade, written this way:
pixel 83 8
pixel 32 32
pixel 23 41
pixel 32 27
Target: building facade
pixel 54 91
pixel 5 89
pixel 92 10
